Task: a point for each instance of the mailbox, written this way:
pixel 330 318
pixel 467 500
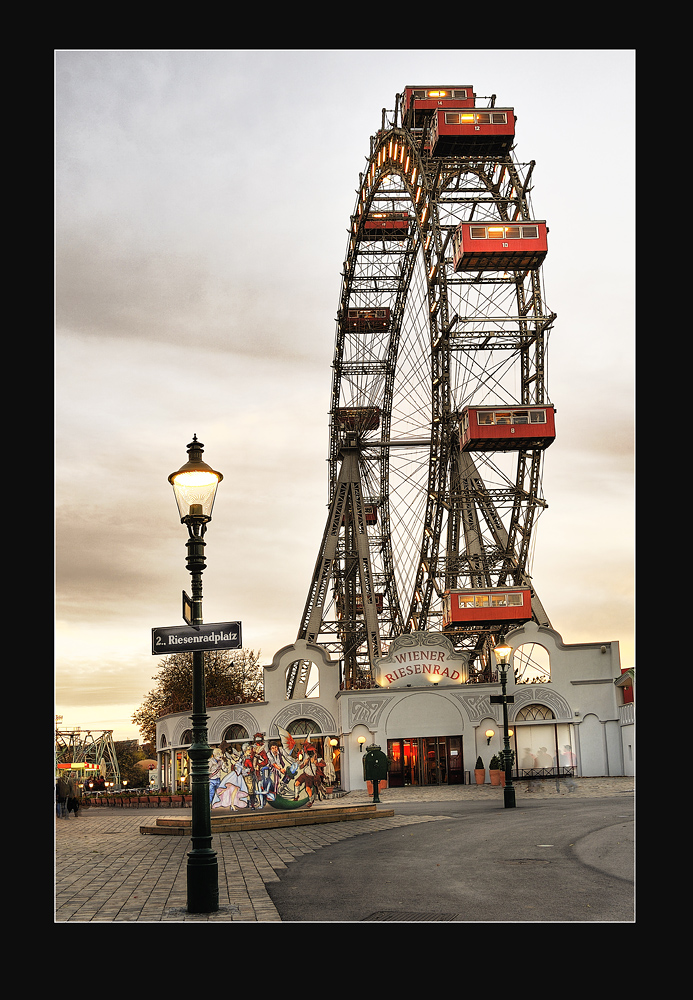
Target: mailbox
pixel 375 764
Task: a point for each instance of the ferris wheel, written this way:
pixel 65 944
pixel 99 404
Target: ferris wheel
pixel 440 413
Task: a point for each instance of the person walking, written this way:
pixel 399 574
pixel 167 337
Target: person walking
pixel 569 760
pixel 73 796
pixel 63 790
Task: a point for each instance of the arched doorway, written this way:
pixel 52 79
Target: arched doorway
pixel 306 730
pixel 543 747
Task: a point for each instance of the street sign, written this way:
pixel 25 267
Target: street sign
pixel 187 609
pixel 183 639
pixel 498 699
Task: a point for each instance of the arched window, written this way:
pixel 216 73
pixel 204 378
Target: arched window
pixel 532 664
pixel 302 731
pixel 236 732
pixel 186 739
pixel 532 713
pixel 303 727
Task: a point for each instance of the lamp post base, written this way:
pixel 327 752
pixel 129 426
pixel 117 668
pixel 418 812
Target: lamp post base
pixel 203 882
pixel 509 797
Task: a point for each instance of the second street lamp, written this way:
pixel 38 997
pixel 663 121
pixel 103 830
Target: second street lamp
pixel 503 653
pixel 194 486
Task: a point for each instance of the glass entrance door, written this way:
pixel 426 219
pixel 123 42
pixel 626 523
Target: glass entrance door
pixel 426 760
pixel 410 755
pixel 436 761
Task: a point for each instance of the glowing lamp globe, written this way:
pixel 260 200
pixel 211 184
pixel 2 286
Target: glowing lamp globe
pixel 503 652
pixel 195 485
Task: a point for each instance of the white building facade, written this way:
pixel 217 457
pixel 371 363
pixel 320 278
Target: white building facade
pixel 567 709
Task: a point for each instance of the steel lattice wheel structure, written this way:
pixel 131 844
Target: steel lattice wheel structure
pixel 82 746
pixel 412 515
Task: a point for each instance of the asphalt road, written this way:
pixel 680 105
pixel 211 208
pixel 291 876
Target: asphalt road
pixel 551 860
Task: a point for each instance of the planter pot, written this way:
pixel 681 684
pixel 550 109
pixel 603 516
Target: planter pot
pixel 495 777
pixel 176 800
pixel 188 799
pixel 480 775
pixel 164 800
pixel 382 784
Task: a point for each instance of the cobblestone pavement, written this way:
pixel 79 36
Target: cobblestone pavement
pixel 106 871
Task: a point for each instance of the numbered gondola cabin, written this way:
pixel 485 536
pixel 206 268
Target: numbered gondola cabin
pixel 385 226
pixel 420 102
pixel 499 246
pixel 507 428
pixel 367 320
pixel 370 514
pixel 487 606
pixel 358 606
pixel 472 132
pixel 359 418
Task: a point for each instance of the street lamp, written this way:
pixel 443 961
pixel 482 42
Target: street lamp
pixel 194 487
pixel 503 653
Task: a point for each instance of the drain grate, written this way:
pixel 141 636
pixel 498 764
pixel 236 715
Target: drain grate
pixel 524 861
pixel 410 917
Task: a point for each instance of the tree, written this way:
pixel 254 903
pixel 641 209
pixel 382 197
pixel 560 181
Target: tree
pixel 232 677
pixel 128 754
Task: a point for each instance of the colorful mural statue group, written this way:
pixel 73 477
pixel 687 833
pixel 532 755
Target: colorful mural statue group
pixel 268 773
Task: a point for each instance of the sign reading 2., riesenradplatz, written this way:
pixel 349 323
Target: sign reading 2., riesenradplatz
pixel 184 638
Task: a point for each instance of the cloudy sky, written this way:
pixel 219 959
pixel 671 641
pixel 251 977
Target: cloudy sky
pixel 202 205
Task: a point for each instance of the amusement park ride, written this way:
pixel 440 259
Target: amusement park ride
pixel 439 411
pixel 88 752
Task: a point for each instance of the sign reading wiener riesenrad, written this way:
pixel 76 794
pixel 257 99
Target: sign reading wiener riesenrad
pixel 419 659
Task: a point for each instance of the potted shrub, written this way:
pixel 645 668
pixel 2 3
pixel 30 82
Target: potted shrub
pixel 381 785
pixel 480 771
pixel 494 770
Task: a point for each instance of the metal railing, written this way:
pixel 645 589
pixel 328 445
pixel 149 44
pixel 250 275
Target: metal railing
pixel 538 773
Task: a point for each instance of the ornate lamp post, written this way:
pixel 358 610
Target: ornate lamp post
pixel 503 652
pixel 194 487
